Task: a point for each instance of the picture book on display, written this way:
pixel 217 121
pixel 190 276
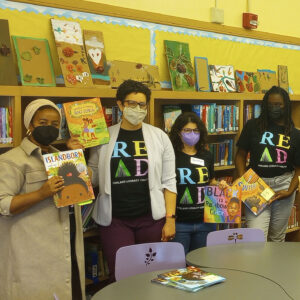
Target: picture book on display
pixel 191 279
pixel 255 192
pixel 171 112
pixel 222 206
pixel 86 121
pixel 72 167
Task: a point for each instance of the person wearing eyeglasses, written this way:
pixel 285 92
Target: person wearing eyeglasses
pixel 135 172
pixel 194 169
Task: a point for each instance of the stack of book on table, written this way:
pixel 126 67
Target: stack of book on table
pixel 191 279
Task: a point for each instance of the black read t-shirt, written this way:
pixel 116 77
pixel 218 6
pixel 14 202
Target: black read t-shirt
pixel 129 175
pixel 272 153
pixel 192 172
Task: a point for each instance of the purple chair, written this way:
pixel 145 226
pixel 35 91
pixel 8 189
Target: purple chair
pixel 234 236
pixel 148 257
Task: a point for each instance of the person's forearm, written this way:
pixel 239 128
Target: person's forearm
pixel 295 181
pixel 20 203
pixel 170 200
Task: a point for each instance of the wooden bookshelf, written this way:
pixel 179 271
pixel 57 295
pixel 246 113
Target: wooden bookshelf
pixel 293 229
pixel 6 145
pixel 20 96
pixel 221 168
pixel 91 233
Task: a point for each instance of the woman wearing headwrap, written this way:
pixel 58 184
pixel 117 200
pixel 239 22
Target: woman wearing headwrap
pixel 37 240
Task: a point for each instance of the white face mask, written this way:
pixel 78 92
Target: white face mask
pixel 134 115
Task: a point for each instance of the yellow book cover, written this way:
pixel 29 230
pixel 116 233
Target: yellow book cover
pixel 86 121
pixel 72 167
pixel 255 192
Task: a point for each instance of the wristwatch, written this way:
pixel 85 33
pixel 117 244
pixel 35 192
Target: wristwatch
pixel 171 216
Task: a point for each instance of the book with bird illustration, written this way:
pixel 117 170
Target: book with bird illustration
pixel 222 78
pixel 70 165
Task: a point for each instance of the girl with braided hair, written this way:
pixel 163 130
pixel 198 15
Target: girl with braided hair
pixel 274 146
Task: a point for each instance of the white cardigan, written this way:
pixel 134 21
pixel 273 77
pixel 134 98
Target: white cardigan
pixel 161 172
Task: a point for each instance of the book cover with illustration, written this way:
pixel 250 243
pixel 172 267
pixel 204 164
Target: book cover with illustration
pixel 255 192
pixel 166 282
pixel 222 78
pixel 72 167
pixel 191 278
pixel 171 112
pixel 247 82
pixel 181 70
pixel 222 205
pixel 86 121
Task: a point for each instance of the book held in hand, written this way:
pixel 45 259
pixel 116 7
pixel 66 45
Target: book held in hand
pixel 222 205
pixel 190 279
pixel 86 121
pixel 255 192
pixel 72 167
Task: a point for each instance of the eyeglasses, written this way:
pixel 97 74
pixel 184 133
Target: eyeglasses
pixel 189 130
pixel 133 104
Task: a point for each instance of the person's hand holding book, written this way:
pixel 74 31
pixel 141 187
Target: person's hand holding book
pixel 73 144
pixel 279 195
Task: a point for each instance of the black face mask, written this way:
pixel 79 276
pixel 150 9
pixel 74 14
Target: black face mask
pixel 275 112
pixel 45 135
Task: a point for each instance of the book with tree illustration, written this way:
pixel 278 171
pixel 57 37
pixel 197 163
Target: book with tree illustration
pixel 86 121
pixel 255 192
pixel 222 205
pixel 191 278
pixel 72 167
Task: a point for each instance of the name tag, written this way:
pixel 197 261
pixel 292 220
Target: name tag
pixel 197 161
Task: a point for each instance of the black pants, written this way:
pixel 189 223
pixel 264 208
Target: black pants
pixel 76 287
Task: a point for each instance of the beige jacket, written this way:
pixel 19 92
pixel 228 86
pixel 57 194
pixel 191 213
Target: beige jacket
pixel 35 262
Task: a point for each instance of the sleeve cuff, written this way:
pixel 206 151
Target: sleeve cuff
pixel 170 187
pixel 5 206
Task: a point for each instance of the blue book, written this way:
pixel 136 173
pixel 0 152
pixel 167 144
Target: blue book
pixel 230 152
pixel 256 110
pixel 220 127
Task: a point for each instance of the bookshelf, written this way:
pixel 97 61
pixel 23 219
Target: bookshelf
pixel 19 96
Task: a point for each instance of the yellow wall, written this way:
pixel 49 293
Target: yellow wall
pixel 120 43
pixel 275 16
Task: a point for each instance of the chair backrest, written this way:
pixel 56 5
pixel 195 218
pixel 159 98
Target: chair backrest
pixel 142 258
pixel 234 236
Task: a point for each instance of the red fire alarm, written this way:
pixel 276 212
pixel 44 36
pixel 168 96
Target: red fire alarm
pixel 250 21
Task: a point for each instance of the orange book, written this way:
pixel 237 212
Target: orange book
pixel 255 192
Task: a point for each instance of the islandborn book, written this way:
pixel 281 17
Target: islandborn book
pixel 222 205
pixel 191 279
pixel 255 192
pixel 72 167
pixel 86 121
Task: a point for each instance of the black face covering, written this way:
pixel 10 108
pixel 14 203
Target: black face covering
pixel 45 135
pixel 275 112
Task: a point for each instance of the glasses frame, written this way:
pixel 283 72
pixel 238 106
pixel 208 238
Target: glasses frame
pixel 134 104
pixel 189 130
